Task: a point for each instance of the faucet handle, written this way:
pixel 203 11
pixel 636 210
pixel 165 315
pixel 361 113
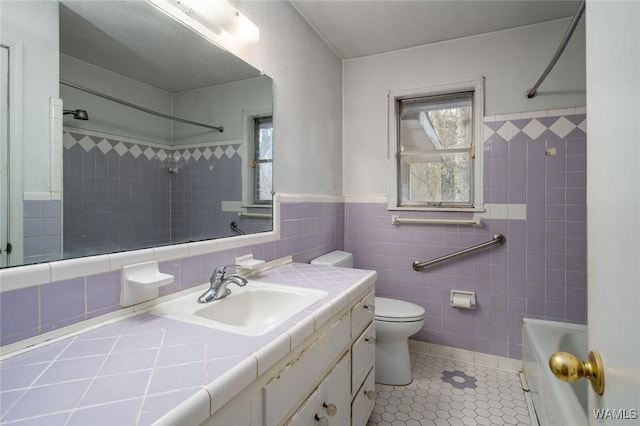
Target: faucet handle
pixel 219 272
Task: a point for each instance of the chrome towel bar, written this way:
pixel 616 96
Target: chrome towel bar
pixel 497 239
pixel 397 220
pixel 256 215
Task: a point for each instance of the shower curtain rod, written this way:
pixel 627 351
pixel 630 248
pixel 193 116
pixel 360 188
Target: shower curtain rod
pixel 565 39
pixel 139 108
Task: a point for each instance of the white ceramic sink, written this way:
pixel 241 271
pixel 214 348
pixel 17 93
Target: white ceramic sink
pixel 250 310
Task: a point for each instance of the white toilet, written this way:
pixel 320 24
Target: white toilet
pixel 395 322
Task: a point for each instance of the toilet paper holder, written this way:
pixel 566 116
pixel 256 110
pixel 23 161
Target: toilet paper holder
pixel 463 299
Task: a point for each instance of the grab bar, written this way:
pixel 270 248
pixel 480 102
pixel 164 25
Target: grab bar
pixel 397 220
pixel 256 215
pixel 497 239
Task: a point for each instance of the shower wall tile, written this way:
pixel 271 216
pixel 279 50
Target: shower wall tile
pixel 120 195
pixel 112 202
pixel 539 273
pixel 42 230
pixel 198 189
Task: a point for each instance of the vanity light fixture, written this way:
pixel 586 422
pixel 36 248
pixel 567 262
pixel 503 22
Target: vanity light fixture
pixel 220 15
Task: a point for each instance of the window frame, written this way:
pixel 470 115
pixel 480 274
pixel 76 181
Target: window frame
pixel 256 161
pixel 248 155
pixel 394 97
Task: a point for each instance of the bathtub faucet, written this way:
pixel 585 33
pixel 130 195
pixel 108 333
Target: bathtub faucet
pixel 219 282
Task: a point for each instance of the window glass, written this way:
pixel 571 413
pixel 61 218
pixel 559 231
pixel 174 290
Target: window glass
pixel 435 151
pixel 263 159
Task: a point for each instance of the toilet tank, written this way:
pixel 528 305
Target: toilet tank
pixel 335 258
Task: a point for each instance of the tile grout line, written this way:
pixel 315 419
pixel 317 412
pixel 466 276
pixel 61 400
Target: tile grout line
pixel 427 369
pixel 106 358
pixel 27 389
pixel 148 385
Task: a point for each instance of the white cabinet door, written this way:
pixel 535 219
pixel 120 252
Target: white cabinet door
pixel 363 357
pixel 329 404
pixel 363 401
pixel 282 394
pixel 362 314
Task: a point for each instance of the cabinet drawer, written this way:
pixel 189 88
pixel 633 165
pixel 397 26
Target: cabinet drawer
pixel 364 401
pixel 283 393
pixel 362 315
pixel 363 357
pixel 329 401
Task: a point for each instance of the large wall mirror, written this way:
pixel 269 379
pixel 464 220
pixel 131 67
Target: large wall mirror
pixel 166 138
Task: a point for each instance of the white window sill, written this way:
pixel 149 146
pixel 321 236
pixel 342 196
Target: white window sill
pixel 438 209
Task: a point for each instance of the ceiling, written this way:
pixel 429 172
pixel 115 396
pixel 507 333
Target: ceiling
pixel 134 39
pixel 355 28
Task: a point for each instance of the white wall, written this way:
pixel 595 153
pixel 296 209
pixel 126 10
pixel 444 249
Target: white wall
pixel 307 89
pixel 511 61
pixel 220 105
pixel 215 105
pixel 35 25
pixel 110 117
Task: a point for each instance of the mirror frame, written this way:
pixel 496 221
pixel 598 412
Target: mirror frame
pixel 160 252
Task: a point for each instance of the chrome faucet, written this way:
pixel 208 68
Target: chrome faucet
pixel 219 283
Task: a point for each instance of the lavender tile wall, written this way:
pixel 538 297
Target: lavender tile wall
pixel 539 273
pixel 42 230
pixel 115 197
pixel 120 195
pixel 198 189
pixel 308 230
pixel 202 182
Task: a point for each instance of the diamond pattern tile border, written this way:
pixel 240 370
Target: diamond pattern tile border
pixel 105 145
pixel 560 127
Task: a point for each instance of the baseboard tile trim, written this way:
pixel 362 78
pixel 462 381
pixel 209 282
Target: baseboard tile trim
pixel 494 361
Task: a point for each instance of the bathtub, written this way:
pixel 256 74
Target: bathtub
pixel 555 402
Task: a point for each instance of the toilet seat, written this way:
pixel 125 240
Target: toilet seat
pixel 393 310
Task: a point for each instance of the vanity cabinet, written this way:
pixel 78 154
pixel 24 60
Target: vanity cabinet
pixel 327 380
pixel 301 375
pixel 329 404
pixel 364 400
pixel 363 358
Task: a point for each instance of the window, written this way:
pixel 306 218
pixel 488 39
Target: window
pixel 435 134
pixel 262 162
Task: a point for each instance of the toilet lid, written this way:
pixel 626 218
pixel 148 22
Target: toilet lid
pixel 395 310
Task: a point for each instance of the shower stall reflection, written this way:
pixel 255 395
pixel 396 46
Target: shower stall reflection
pixel 123 192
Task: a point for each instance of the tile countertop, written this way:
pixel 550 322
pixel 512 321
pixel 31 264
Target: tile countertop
pixel 146 369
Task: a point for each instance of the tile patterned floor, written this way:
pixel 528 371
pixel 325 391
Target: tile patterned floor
pixel 448 392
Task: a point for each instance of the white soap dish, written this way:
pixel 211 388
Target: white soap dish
pixel 248 262
pixel 140 282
